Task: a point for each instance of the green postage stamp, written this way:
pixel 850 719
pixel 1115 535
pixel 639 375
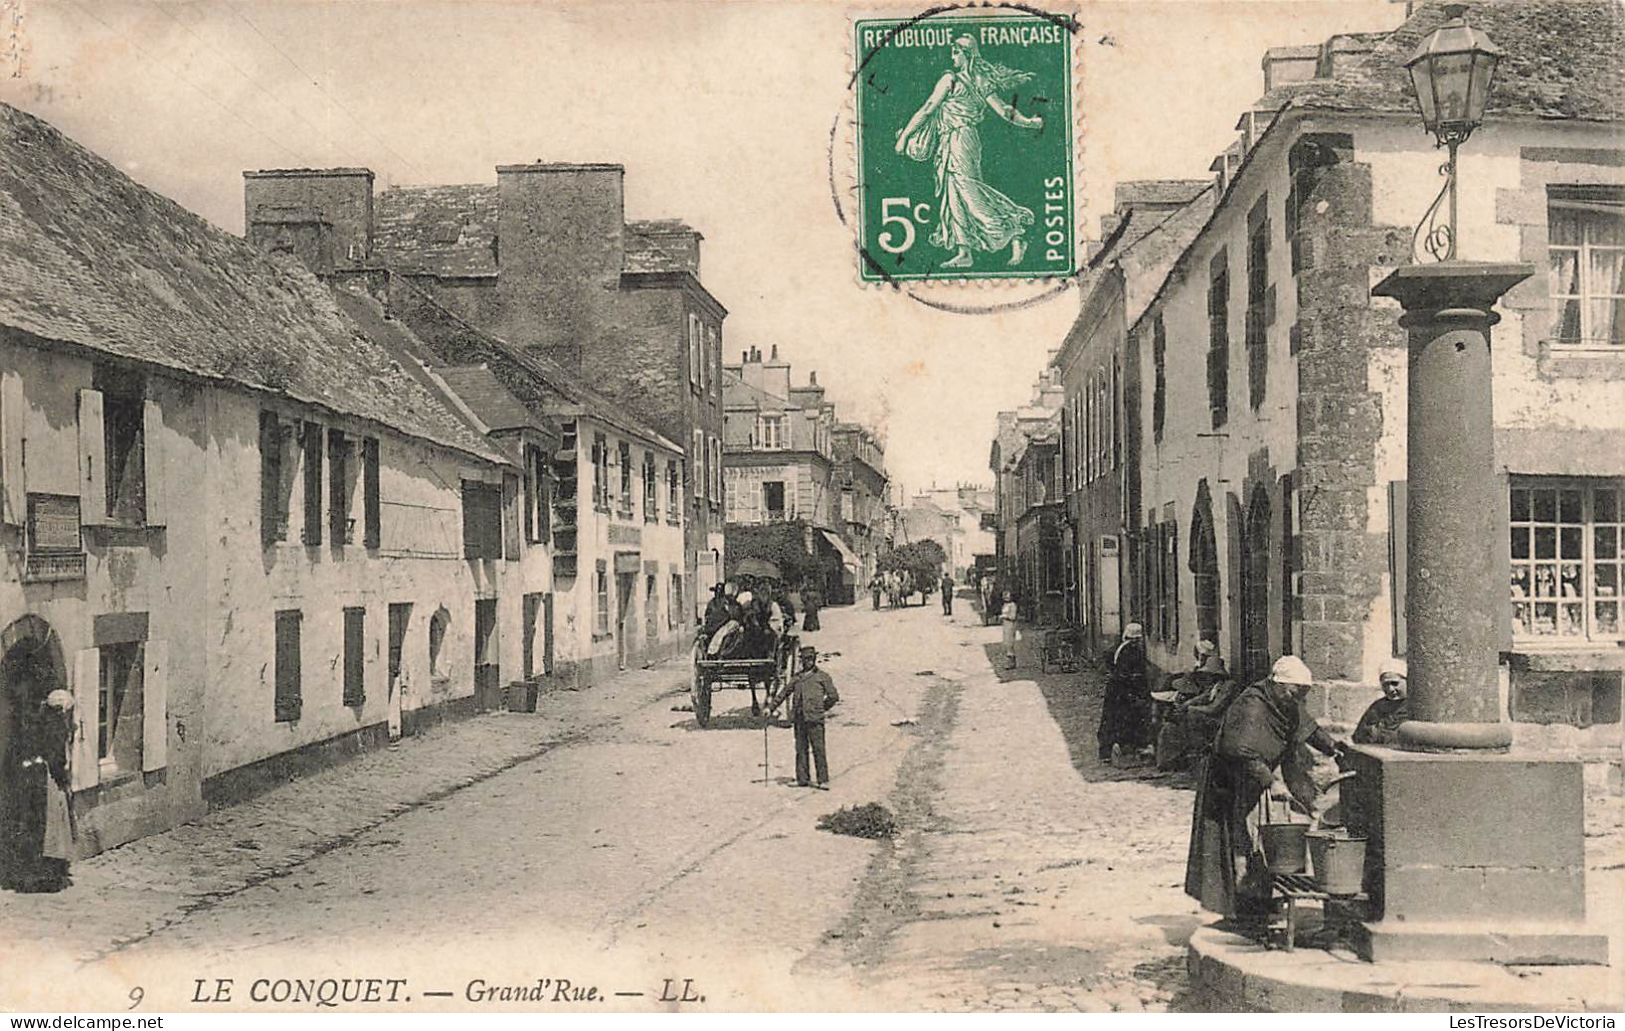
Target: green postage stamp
pixel 964 147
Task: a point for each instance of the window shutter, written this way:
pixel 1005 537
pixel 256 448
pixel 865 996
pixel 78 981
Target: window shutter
pixel 84 767
pixel 372 502
pixel 13 494
pixel 152 435
pixel 155 706
pixel 1397 500
pixel 270 478
pixel 1502 553
pixel 92 459
pixel 510 518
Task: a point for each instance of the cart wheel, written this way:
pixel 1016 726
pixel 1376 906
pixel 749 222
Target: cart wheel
pixel 699 693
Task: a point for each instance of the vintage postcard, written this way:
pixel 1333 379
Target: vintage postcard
pixel 700 506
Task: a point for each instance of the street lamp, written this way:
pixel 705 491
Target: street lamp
pixel 1451 73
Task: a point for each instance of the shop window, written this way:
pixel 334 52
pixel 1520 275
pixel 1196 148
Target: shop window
pixel 1586 264
pixel 289 697
pixel 120 720
pixel 355 656
pixel 1568 557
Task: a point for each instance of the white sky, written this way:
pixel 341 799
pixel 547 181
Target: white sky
pixel 720 111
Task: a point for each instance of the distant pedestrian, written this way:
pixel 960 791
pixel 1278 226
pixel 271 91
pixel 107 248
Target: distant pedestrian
pixel 876 586
pixel 947 587
pixel 812 694
pixel 1007 616
pixel 812 599
pixel 1125 713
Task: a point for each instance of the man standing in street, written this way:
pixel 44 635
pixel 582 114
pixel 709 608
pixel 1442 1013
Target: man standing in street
pixel 947 593
pixel 812 694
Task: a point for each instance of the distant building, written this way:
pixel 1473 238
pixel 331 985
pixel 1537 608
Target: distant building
pixel 1150 224
pixel 1014 494
pixel 545 260
pixel 781 466
pixel 865 513
pixel 954 518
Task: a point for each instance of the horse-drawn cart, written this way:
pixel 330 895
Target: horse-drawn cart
pixel 710 673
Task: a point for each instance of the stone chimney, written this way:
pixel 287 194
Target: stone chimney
pixel 321 215
pixel 561 237
pixel 1290 64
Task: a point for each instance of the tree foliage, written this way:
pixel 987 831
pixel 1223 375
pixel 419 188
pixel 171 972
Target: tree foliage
pixel 783 544
pixel 923 560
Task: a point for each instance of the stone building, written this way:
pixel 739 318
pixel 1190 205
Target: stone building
pixel 1273 385
pixel 953 517
pixel 245 534
pixel 603 490
pixel 1039 506
pixel 545 260
pixel 780 464
pixel 1150 224
pixel 1013 428
pixel 860 469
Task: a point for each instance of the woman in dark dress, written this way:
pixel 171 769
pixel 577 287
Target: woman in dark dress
pixel 1263 731
pixel 1125 713
pixel 812 599
pixel 37 824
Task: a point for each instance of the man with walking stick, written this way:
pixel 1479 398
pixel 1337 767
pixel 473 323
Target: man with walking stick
pixel 812 694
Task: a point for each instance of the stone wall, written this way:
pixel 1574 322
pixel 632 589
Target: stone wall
pixel 1339 563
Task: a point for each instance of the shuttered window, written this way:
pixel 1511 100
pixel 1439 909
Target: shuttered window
pixel 482 520
pixel 372 502
pixel 273 507
pixel 355 656
pixel 312 446
pixel 288 678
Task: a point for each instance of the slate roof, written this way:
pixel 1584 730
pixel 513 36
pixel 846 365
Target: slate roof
pixel 1564 59
pixel 737 394
pixel 1158 191
pixel 451 231
pixel 90 257
pixel 480 389
pixel 650 246
pixel 566 393
pixel 440 230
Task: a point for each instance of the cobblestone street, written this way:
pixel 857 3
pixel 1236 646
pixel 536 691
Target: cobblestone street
pixel 609 842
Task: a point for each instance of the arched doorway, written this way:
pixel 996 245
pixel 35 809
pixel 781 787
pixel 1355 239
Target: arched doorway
pixel 1255 586
pixel 31 666
pixel 1204 566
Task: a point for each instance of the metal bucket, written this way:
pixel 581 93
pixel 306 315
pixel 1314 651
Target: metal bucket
pixel 1339 861
pixel 1284 846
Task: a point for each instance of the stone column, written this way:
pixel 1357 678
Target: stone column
pixel 1456 601
pixel 1473 853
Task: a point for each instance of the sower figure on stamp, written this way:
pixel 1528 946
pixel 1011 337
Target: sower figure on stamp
pixel 946 130
pixel 812 694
